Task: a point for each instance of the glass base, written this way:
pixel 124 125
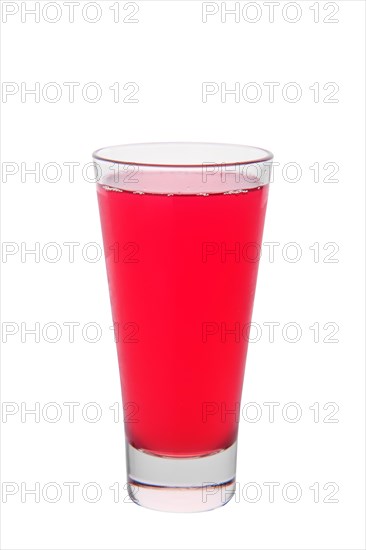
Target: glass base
pixel 194 484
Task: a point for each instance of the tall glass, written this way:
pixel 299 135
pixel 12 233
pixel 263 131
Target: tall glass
pixel 182 227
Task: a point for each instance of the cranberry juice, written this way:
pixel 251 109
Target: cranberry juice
pixel 182 272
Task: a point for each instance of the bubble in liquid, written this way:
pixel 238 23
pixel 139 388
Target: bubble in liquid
pixel 107 188
pixel 233 192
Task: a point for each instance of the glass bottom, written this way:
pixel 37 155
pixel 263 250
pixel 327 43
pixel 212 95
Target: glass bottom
pixel 194 484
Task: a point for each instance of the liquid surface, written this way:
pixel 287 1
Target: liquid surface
pixel 182 272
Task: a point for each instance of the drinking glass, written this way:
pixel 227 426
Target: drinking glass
pixel 182 227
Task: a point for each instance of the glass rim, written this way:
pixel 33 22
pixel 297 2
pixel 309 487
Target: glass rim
pixel 256 154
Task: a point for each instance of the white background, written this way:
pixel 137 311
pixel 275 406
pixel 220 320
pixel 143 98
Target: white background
pixel 169 53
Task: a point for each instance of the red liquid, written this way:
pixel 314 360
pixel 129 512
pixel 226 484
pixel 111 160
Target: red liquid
pixel 177 291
